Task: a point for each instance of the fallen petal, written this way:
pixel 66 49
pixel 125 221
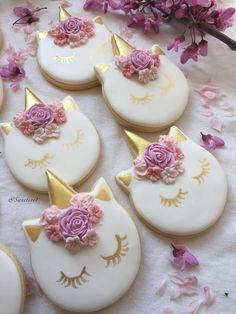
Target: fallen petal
pixel 168 310
pixel 194 307
pixel 162 287
pixel 209 296
pixel 216 124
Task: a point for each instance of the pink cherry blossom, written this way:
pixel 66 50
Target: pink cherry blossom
pixel 182 257
pixel 211 141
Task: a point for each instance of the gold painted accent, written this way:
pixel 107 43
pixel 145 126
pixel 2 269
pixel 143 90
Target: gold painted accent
pixel 59 192
pixel 69 105
pixel 21 274
pixel 103 193
pixel 63 14
pixel 98 20
pixel 44 162
pixel 73 282
pixel 125 178
pixel 165 88
pixel 141 100
pixel 158 51
pixel 205 165
pixel 78 136
pixel 65 59
pixel 136 143
pixel 33 231
pixel 175 201
pixel 120 47
pixel 30 99
pixel 102 67
pixel 121 250
pixel 6 128
pixel 42 35
pixel 178 135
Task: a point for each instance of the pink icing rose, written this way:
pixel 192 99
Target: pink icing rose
pixel 27 128
pixel 60 39
pixel 54 29
pixel 72 25
pixel 88 27
pixel 169 174
pixel 58 112
pixel 128 69
pixel 141 59
pixel 40 115
pixel 53 233
pixel 82 200
pixel 91 238
pixel 95 213
pixel 18 119
pixel 153 173
pixel 50 216
pixel 74 244
pixel 52 130
pixel 140 166
pixel 74 40
pixel 40 136
pixel 159 155
pixel 74 222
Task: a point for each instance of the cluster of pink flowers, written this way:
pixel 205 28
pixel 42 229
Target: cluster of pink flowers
pixel 143 63
pixel 74 225
pixel 72 31
pixel 161 160
pixel 41 121
pixel 197 16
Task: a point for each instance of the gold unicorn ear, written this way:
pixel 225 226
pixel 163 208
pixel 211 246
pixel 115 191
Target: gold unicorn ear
pixel 59 192
pixel 102 191
pixel 124 179
pixel 41 35
pixel 120 47
pixel 30 99
pixel 63 14
pixel 32 229
pixel 136 143
pixel 157 50
pixel 177 134
pixel 5 128
pixel 98 20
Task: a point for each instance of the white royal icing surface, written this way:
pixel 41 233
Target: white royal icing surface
pixel 73 162
pixel 165 101
pixel 201 207
pixel 105 285
pixel 75 66
pixel 10 285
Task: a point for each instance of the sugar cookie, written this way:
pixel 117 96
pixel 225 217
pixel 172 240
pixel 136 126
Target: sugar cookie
pixel 143 89
pixel 84 243
pixel 68 52
pixel 56 136
pixel 12 281
pixel 176 186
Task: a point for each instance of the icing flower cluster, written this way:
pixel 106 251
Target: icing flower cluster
pixel 143 63
pixel 41 121
pixel 74 225
pixel 73 31
pixel 161 160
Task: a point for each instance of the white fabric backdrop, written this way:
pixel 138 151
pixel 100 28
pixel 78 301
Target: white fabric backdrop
pixel 215 248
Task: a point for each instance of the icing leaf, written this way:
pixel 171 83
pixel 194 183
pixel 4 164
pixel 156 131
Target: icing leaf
pixel 182 256
pixel 211 141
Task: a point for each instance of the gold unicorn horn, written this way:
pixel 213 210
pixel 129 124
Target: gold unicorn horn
pixel 30 99
pixel 59 192
pixel 63 14
pixel 120 47
pixel 136 143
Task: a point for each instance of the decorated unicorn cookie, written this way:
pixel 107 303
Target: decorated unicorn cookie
pixel 12 282
pixel 142 88
pixel 83 244
pixel 176 186
pixel 68 52
pixel 55 135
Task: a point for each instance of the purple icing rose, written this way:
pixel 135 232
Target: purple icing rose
pixel 159 155
pixel 40 115
pixel 74 222
pixel 141 60
pixel 71 26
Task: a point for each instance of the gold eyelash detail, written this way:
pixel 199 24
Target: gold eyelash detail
pixel 204 172
pixel 141 100
pixel 78 136
pixel 121 250
pixel 169 85
pixel 63 59
pixel 44 162
pixel 73 282
pixel 175 201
